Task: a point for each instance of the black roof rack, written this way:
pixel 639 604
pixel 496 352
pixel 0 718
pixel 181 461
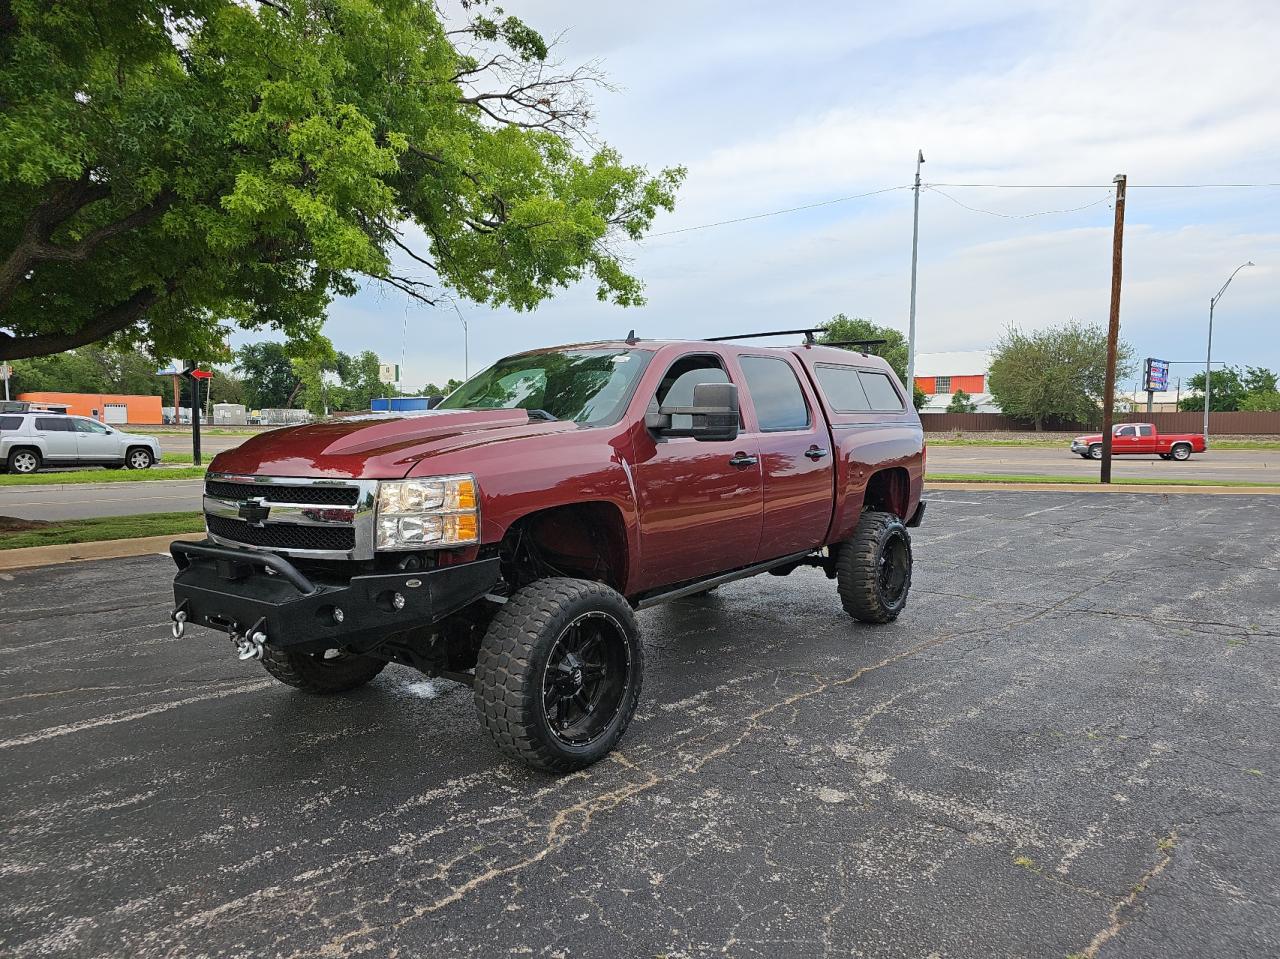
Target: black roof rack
pixel 808 338
pixel 855 343
pixel 808 335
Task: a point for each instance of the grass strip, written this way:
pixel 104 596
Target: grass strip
pixel 103 476
pixel 17 534
pixel 996 478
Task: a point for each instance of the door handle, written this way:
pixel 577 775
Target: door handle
pixel 814 453
pixel 741 460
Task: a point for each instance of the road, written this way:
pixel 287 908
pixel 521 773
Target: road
pixel 81 500
pixel 1255 466
pixel 1066 745
pixel 209 445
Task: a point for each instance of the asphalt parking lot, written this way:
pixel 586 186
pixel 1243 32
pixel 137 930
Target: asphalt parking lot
pixel 1068 745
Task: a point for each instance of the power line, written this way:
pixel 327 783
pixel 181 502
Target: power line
pixel 1095 186
pixel 794 209
pixel 1019 216
pixel 983 186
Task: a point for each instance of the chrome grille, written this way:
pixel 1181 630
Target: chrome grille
pixel 284 535
pixel 315 495
pixel 319 518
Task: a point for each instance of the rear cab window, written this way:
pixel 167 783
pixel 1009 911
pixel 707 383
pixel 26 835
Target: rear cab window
pixel 852 390
pixel 10 423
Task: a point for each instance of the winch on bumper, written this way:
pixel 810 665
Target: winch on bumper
pixel 261 599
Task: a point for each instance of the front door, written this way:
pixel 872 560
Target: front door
pixel 96 442
pixel 700 501
pixel 1125 439
pixel 795 456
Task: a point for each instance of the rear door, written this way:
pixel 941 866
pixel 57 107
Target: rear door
pixel 1146 442
pixel 795 455
pixel 700 501
pixel 59 435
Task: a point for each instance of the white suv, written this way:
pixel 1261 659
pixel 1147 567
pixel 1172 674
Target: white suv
pixel 33 439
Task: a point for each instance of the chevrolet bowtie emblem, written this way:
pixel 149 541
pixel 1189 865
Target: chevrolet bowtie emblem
pixel 254 511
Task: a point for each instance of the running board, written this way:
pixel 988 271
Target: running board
pixel 703 584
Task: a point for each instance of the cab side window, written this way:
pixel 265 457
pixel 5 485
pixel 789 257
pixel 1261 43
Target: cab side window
pixel 775 391
pixel 676 388
pixel 55 424
pixel 1146 431
pixel 1127 431
pixel 90 426
pixel 10 423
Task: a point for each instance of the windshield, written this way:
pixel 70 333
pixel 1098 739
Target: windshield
pixel 585 386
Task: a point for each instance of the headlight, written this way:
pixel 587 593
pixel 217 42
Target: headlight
pixel 431 512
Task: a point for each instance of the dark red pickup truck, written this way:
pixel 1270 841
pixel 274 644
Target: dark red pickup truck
pixel 505 539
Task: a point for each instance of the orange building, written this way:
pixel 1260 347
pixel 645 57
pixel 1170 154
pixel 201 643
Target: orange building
pixel 106 407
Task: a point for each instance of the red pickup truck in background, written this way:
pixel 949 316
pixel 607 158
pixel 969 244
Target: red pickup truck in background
pixel 505 539
pixel 1133 438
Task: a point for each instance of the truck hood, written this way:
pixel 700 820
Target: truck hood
pixel 1089 438
pixel 376 446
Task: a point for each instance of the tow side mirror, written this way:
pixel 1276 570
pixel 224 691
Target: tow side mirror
pixel 712 417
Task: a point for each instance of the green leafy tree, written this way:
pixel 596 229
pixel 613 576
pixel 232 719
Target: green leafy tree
pixel 268 376
pixel 895 349
pixel 91 369
pixel 1228 391
pixel 165 164
pixel 1261 402
pixel 961 402
pixel 432 390
pixel 1058 372
pixel 1259 379
pixel 226 387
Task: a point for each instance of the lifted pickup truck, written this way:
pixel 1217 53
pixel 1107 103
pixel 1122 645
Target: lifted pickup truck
pixel 1136 438
pixel 505 539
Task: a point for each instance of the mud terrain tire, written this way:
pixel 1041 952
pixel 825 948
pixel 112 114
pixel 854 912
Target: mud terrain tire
pixel 873 569
pixel 318 673
pixel 559 672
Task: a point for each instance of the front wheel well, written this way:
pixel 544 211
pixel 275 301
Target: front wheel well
pixel 888 491
pixel 579 540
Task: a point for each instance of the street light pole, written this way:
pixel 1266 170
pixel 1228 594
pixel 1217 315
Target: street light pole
pixel 915 243
pixel 1208 353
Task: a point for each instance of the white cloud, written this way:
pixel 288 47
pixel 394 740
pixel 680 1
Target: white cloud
pixel 773 107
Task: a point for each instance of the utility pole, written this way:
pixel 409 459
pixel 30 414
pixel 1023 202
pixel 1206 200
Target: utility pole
pixel 1113 329
pixel 911 324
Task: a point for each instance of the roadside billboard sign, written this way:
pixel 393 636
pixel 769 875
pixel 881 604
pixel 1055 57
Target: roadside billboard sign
pixel 1157 375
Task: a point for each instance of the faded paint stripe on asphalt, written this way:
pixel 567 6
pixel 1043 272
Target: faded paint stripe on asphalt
pixel 112 719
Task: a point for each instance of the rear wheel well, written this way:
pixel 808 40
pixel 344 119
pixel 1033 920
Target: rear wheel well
pixel 580 540
pixel 888 491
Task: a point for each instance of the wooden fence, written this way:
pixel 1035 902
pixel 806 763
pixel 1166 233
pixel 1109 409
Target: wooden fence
pixel 1220 424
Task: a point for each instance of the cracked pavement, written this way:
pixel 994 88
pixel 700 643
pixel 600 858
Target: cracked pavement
pixel 1068 745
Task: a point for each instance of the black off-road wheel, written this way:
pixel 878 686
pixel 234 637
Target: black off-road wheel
pixel 559 672
pixel 331 671
pixel 873 569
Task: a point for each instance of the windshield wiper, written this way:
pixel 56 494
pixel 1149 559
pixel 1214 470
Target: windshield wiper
pixel 542 415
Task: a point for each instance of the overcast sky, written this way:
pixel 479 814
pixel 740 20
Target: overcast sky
pixel 773 106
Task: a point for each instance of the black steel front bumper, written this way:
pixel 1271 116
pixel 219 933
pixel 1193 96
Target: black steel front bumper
pixel 243 592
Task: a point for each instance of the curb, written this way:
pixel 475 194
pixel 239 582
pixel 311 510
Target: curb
pixel 1098 488
pixel 30 556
